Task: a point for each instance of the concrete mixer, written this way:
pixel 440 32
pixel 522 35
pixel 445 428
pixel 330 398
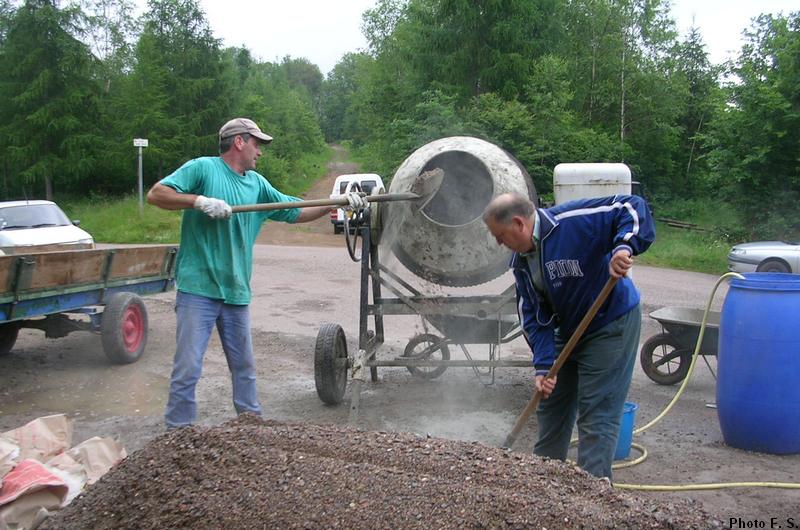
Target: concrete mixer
pixel 442 242
pixel 446 240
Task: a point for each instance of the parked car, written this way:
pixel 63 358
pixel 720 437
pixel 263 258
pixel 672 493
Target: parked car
pixel 369 183
pixel 39 226
pixel 765 256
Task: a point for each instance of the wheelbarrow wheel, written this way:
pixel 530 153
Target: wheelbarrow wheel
pixel 123 328
pixel 330 364
pixel 8 337
pixel 663 359
pixel 416 349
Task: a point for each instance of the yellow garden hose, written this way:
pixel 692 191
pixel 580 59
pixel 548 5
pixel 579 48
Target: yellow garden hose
pixel 708 486
pixel 691 487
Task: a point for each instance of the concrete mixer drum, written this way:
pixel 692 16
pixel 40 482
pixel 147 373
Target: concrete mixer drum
pixel 445 241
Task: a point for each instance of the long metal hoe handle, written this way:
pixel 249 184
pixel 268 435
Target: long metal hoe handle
pixel 341 201
pixel 562 358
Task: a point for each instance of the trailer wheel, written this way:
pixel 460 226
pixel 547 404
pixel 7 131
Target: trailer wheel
pixel 663 360
pixel 8 337
pixel 123 328
pixel 416 348
pixel 330 364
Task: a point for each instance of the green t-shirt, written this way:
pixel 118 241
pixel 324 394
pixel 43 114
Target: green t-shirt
pixel 216 255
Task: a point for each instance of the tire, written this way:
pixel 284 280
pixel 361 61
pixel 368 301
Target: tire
pixel 773 265
pixel 123 328
pixel 330 376
pixel 418 345
pixel 8 337
pixel 337 229
pixel 654 350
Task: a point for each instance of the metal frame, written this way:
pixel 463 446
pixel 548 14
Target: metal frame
pixel 434 310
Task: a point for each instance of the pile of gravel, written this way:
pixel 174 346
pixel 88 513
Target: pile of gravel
pixel 250 473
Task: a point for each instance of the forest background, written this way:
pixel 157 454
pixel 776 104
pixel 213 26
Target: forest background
pixel 550 81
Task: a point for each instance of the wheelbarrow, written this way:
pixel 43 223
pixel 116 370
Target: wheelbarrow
pixel 666 357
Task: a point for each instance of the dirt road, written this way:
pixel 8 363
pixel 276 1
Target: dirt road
pixel 297 289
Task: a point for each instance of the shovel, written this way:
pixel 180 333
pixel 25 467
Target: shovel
pixel 422 190
pixel 562 358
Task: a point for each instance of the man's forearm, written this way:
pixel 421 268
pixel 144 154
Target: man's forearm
pixel 169 199
pixel 309 214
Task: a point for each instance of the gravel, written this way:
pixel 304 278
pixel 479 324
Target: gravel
pixel 251 473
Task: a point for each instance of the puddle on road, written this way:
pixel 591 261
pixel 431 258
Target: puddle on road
pixel 118 391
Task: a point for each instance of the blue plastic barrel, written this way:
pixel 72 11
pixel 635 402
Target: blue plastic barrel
pixel 623 448
pixel 758 377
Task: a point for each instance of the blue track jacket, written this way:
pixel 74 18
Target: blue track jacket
pixel 577 240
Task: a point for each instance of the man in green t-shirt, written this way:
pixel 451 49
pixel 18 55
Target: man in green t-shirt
pixel 215 260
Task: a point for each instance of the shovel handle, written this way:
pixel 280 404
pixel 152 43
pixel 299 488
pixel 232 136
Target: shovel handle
pixel 340 201
pixel 562 358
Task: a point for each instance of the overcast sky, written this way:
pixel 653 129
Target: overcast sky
pixel 721 22
pixel 324 30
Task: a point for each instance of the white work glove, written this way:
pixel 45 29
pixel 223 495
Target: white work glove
pixel 355 202
pixel 214 208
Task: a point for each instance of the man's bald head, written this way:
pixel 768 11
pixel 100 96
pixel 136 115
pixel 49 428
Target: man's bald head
pixel 509 218
pixel 504 207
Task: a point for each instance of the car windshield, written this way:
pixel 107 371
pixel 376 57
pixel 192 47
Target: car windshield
pixel 366 185
pixel 32 216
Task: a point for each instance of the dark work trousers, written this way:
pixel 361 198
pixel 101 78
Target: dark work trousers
pixel 592 387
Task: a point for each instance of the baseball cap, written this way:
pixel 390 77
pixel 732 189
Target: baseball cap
pixel 242 126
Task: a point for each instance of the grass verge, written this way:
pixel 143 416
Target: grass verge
pixel 117 220
pixel 676 248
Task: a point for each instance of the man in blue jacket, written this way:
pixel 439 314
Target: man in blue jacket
pixel 563 257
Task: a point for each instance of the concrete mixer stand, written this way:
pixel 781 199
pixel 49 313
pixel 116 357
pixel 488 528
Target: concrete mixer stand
pixel 459 320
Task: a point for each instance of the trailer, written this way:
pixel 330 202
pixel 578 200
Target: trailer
pixel 56 291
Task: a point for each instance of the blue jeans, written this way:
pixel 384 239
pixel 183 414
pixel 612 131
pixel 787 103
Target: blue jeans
pixel 197 316
pixel 592 387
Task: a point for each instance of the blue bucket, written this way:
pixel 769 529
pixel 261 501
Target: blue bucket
pixel 625 431
pixel 758 365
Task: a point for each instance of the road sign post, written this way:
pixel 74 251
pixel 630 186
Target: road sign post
pixel 140 143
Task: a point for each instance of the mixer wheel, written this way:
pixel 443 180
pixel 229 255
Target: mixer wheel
pixel 416 348
pixel 330 364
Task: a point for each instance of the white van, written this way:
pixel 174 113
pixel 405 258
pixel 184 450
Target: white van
pixel 369 183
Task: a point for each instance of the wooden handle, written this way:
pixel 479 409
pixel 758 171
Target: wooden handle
pixel 340 201
pixel 562 358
